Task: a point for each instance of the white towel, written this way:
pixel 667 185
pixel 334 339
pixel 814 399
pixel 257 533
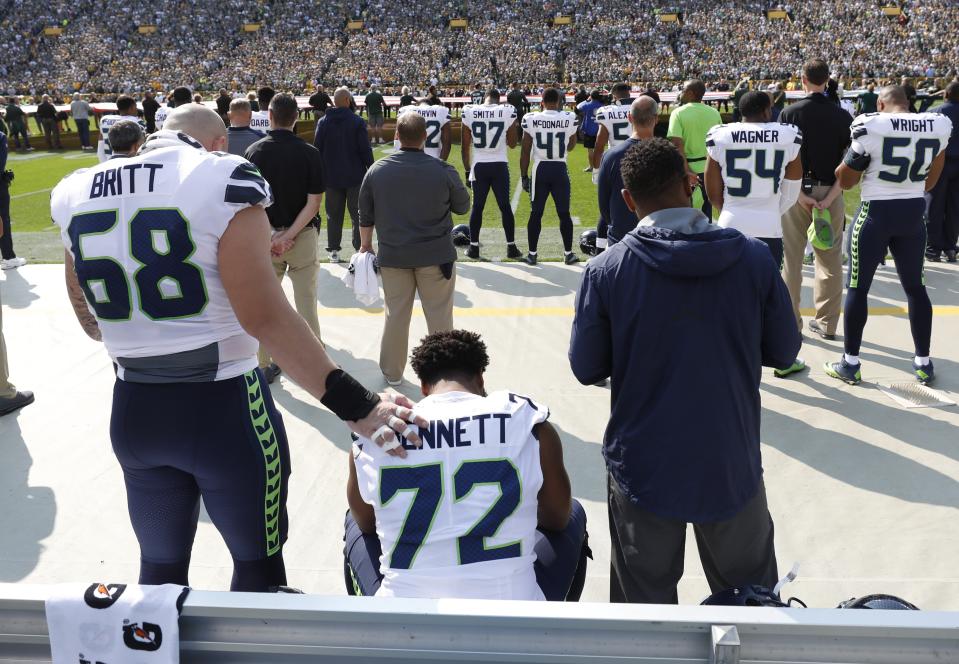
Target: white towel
pixel 115 624
pixel 361 277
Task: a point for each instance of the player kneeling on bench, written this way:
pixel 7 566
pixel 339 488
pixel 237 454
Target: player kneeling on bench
pixel 482 510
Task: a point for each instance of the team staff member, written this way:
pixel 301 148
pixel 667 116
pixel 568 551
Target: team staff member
pixel 517 98
pixel 891 216
pixel 16 121
pixel 616 220
pixel 81 111
pixel 240 134
pixel 192 416
pixel 345 149
pixel 681 315
pixel 588 126
pixel 825 129
pixel 944 208
pixel 375 107
pixel 545 552
pixel 10 260
pixel 150 108
pixel 409 198
pixel 688 126
pixel 319 102
pixel 488 131
pixel 294 170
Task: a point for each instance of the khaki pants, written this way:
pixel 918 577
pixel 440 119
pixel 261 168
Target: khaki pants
pixel 400 286
pixel 7 390
pixel 303 268
pixel 827 286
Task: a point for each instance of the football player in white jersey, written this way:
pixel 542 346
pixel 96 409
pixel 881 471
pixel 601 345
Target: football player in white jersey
pixel 458 517
pixel 488 131
pixel 614 127
pixel 178 97
pixel 168 262
pixel 438 134
pixel 260 120
pixel 126 110
pixel 898 156
pixel 548 135
pixel 753 175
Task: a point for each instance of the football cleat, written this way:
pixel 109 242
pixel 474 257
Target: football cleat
pixel 925 373
pixel 530 259
pixel 472 251
pixel 847 373
pixel 571 259
pixel 513 252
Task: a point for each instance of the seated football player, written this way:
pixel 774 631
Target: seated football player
pixel 482 510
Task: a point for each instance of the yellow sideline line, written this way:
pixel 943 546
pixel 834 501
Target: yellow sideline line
pixel 506 312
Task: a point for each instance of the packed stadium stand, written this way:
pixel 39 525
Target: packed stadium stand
pixel 108 46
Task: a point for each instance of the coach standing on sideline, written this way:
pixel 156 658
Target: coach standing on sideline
pixel 409 198
pixel 294 171
pixel 825 129
pixel 698 310
pixel 345 149
pixel 688 126
pixel 81 112
pixel 943 226
pixel 150 108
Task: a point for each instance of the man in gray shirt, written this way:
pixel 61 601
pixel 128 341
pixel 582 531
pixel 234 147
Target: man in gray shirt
pixel 81 112
pixel 409 199
pixel 240 135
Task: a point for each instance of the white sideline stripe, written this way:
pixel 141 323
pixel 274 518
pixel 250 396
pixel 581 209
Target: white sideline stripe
pixel 514 203
pixel 30 193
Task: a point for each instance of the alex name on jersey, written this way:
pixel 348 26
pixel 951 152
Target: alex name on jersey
pixel 550 131
pixel 436 118
pixel 895 151
pixel 144 233
pixel 457 517
pixel 615 118
pixel 260 120
pixel 488 124
pixel 104 151
pixel 753 157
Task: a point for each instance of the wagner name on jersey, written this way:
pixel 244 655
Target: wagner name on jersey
pixel 895 151
pixel 260 120
pixel 436 118
pixel 615 118
pixel 488 124
pixel 457 517
pixel 550 131
pixel 144 233
pixel 104 151
pixel 753 157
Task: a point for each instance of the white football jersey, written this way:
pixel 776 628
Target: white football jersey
pixel 488 124
pixel 260 120
pixel 144 234
pixel 160 116
pixel 753 157
pixel 615 118
pixel 436 118
pixel 896 150
pixel 457 517
pixel 104 151
pixel 550 131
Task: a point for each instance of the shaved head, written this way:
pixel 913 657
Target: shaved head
pixel 894 96
pixel 198 121
pixel 644 111
pixel 341 97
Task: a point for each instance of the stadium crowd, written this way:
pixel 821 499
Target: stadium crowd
pixel 100 48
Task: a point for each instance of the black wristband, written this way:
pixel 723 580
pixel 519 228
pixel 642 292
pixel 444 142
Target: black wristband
pixel 348 400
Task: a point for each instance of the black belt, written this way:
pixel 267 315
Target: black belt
pixel 315 223
pixel 688 160
pixel 813 182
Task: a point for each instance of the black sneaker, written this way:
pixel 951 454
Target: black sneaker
pixel 950 255
pixel 271 373
pixel 933 255
pixel 16 402
pixel 814 326
pixel 530 259
pixel 571 259
pixel 513 252
pixel 472 251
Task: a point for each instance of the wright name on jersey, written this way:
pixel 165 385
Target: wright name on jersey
pixel 550 131
pixel 895 151
pixel 753 157
pixel 488 124
pixel 436 118
pixel 457 517
pixel 104 151
pixel 615 118
pixel 144 233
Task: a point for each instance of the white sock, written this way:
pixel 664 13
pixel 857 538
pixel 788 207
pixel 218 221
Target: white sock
pixel 569 253
pixel 512 244
pixel 532 253
pixel 851 359
pixel 474 244
pixel 922 361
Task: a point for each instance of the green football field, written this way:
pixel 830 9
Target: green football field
pixel 38 172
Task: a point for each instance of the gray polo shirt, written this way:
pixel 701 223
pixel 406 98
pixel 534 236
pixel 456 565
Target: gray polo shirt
pixel 80 110
pixel 240 138
pixel 410 198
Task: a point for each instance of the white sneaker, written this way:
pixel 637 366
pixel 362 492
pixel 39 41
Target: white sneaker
pixel 393 383
pixel 13 263
pixel 334 257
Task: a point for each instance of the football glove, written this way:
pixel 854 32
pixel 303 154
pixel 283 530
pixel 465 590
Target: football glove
pixel 469 183
pixel 527 184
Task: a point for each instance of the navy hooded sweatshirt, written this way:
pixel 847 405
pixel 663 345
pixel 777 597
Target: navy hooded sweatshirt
pixel 345 148
pixel 681 316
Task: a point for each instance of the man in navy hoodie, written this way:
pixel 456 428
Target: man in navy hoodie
pixel 345 149
pixel 682 315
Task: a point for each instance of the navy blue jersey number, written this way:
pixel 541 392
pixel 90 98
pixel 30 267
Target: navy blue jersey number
pixel 433 128
pixel 547 141
pixel 426 483
pixel 915 169
pixel 621 131
pixel 760 170
pixel 487 136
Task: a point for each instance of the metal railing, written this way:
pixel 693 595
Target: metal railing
pixel 241 627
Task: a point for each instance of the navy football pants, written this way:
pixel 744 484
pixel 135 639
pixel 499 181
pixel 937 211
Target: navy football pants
pixel 560 559
pixel 495 176
pixel 897 225
pixel 223 441
pixel 550 178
